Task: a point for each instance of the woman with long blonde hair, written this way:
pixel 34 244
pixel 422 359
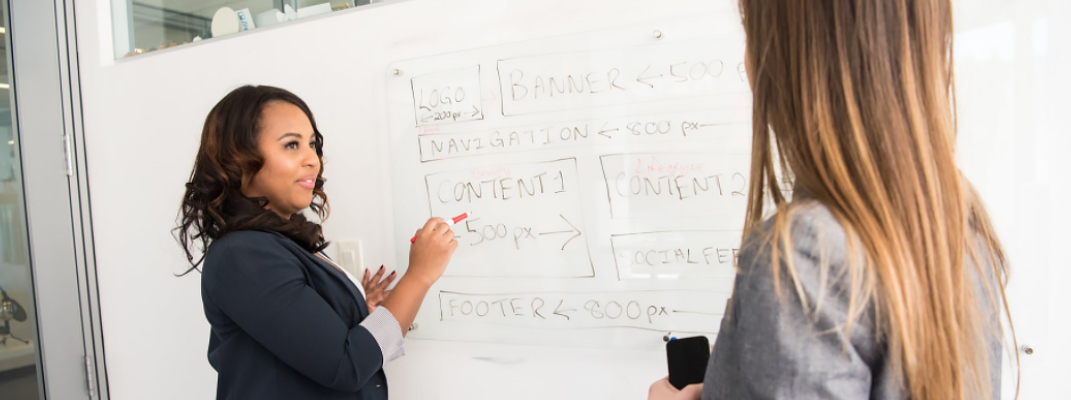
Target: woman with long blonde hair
pixel 882 277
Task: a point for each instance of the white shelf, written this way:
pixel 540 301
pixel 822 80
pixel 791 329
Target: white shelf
pixel 16 354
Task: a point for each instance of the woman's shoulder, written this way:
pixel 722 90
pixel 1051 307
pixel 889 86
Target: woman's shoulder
pixel 242 239
pixel 244 256
pixel 242 244
pixel 813 232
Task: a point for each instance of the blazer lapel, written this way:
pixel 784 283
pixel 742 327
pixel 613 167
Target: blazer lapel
pixel 362 306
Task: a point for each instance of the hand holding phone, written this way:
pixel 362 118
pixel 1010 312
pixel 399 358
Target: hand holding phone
pixel 687 359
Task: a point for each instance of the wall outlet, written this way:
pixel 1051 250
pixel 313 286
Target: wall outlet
pixel 351 258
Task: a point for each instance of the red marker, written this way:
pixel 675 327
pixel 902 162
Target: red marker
pixel 449 222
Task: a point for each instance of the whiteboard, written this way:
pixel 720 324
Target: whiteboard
pixel 606 171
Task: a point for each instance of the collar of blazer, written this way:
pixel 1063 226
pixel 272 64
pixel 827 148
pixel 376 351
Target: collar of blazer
pixel 362 306
pixel 345 281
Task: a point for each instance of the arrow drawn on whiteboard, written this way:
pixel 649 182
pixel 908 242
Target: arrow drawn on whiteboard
pixel 604 131
pixel 574 230
pixel 476 111
pixel 426 119
pixel 643 79
pixel 695 126
pixel 695 312
pixel 492 99
pixel 559 308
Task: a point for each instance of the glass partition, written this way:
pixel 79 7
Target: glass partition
pixel 143 26
pixel 18 327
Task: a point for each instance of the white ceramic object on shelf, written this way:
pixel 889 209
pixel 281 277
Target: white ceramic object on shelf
pixel 323 8
pixel 289 12
pixel 225 22
pixel 270 17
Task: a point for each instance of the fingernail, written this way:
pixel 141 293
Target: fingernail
pixel 380 267
pixel 395 272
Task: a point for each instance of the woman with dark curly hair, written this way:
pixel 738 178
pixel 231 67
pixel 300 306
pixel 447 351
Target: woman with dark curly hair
pixel 287 323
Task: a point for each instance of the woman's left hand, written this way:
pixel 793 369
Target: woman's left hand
pixel 662 390
pixel 375 287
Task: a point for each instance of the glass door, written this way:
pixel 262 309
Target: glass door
pixel 19 352
pixel 50 344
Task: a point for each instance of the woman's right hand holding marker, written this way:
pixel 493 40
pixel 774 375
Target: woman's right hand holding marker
pixel 431 251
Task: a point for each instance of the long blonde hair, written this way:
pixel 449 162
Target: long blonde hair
pixel 857 96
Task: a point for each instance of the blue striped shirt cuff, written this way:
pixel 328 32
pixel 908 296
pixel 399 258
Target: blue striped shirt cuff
pixel 385 329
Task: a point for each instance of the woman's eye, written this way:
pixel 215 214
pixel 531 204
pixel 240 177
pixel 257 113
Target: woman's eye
pixel 291 145
pixel 312 144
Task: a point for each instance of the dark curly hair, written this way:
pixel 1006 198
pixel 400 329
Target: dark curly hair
pixel 214 205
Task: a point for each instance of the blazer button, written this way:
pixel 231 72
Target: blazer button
pixel 378 386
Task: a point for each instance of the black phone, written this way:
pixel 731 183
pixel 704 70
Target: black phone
pixel 688 359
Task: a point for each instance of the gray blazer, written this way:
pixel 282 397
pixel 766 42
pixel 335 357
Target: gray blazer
pixel 768 349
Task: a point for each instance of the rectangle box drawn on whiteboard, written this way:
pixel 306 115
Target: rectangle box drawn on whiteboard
pixel 649 72
pixel 655 310
pixel 700 124
pixel 447 97
pixel 699 254
pixel 528 220
pixel 640 185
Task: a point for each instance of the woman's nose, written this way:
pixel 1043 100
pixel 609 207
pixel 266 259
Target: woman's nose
pixel 311 159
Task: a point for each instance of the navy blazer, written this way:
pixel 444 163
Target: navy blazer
pixel 285 324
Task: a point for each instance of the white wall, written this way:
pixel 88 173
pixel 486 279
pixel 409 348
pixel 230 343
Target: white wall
pixel 142 121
